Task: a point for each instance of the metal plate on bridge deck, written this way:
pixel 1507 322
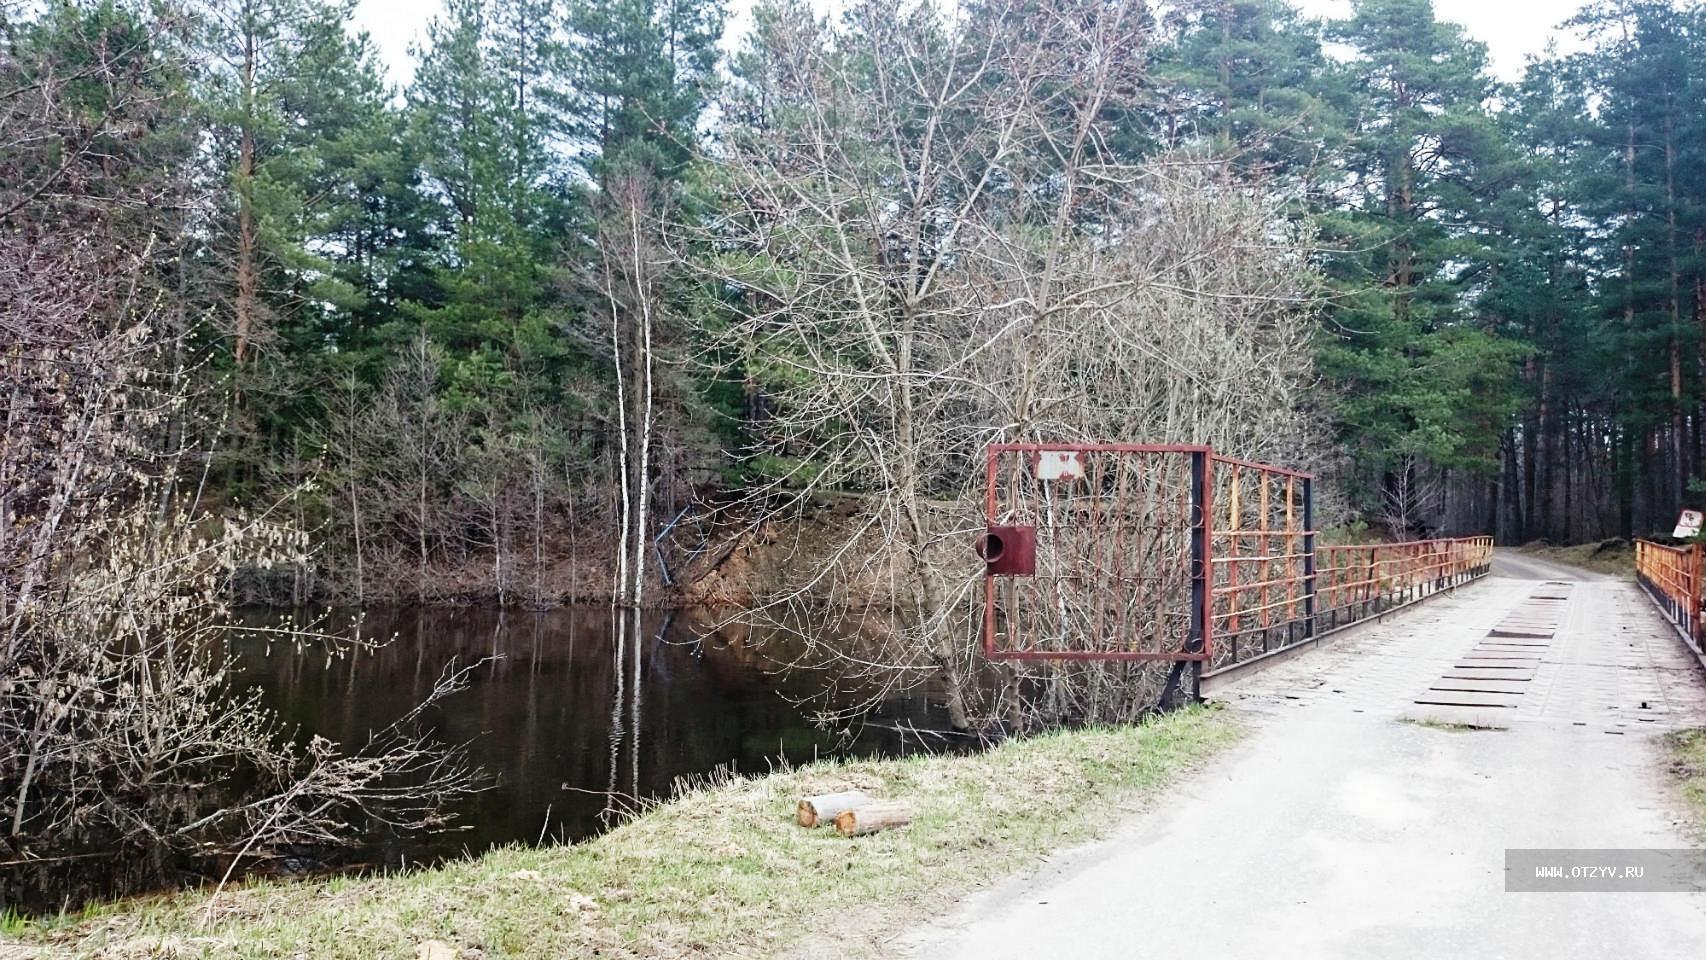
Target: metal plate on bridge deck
pixel 1513 676
pixel 1457 685
pixel 1454 699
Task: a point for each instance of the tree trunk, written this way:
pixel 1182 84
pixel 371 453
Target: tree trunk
pixel 1544 475
pixel 1530 445
pixel 822 809
pixel 1677 476
pixel 872 817
pixel 247 269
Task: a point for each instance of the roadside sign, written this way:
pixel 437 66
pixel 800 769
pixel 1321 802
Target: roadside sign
pixel 1688 524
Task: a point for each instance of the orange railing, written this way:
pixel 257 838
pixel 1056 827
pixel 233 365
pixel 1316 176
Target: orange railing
pixel 1122 551
pixel 1358 581
pixel 1672 576
pixel 1274 588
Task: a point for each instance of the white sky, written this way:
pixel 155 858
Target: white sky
pixel 1511 29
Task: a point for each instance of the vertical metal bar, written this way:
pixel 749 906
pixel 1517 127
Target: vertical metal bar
pixel 1309 555
pixel 1694 594
pixel 1292 543
pixel 1202 576
pixel 1234 545
pixel 1184 680
pixel 989 578
pixel 1266 549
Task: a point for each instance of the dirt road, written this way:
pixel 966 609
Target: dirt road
pixel 1361 820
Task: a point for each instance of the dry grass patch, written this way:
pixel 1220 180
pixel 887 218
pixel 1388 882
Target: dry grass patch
pixel 1687 765
pixel 722 871
pixel 1615 557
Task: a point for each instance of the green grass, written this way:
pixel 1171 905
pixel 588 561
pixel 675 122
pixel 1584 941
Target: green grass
pixel 719 872
pixel 12 923
pixel 1687 755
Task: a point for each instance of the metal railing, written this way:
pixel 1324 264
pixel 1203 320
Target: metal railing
pixel 1357 579
pixel 1273 587
pixel 1176 553
pixel 1672 576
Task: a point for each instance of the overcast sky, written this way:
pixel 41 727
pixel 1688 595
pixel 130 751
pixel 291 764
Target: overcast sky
pixel 1511 29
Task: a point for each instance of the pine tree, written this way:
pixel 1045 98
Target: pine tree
pixel 641 72
pixel 1641 166
pixel 1421 381
pixel 285 82
pixel 1249 76
pixel 481 121
pixel 1538 292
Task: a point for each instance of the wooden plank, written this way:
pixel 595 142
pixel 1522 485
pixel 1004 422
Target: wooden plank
pixel 1456 699
pixel 1461 685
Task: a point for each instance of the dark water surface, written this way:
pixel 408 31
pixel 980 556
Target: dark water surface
pixel 573 717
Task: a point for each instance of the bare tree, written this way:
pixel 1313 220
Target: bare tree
pixel 418 453
pixel 1413 499
pixel 933 242
pixel 118 705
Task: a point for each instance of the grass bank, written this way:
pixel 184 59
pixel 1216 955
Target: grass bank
pixel 1687 762
pixel 721 871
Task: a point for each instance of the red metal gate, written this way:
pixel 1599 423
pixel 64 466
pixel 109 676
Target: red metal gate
pixel 1095 552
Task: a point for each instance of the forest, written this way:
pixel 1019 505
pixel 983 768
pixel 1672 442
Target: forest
pixel 604 296
pixel 412 317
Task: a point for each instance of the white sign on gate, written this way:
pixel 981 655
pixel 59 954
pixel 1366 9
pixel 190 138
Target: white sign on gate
pixel 1688 524
pixel 1060 465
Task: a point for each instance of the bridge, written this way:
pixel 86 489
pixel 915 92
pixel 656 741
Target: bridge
pixel 1392 765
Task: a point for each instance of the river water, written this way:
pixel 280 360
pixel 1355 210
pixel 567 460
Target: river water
pixel 573 718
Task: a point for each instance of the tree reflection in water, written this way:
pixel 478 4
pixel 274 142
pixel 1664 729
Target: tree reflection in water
pixel 580 714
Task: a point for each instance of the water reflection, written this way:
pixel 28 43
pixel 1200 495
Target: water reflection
pixel 580 713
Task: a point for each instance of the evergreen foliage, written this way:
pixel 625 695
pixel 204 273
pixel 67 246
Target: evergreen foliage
pixel 1514 337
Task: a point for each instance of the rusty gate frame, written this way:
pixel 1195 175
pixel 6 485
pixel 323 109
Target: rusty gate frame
pixel 1201 496
pixel 1234 575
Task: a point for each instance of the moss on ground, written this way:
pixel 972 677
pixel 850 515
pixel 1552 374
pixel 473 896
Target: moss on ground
pixel 1614 557
pixel 721 871
pixel 1451 726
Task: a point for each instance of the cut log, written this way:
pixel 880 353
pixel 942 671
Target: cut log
pixel 874 816
pixel 822 809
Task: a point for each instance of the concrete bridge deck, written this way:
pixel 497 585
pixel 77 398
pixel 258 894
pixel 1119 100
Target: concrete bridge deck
pixel 1362 819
